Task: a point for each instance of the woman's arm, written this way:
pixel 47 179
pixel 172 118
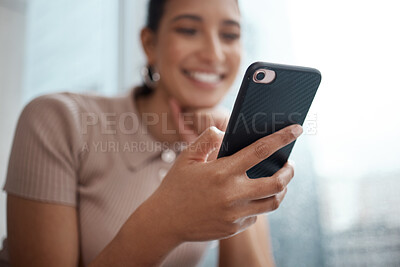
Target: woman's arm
pixel 42 234
pixel 145 239
pixel 251 247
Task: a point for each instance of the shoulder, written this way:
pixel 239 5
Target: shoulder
pixel 64 102
pixel 49 106
pixel 72 117
pixel 71 106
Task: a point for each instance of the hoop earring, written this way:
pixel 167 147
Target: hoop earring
pixel 150 76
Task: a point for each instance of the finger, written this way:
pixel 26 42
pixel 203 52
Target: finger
pixel 246 223
pixel 221 119
pixel 265 147
pixel 186 133
pixel 213 155
pixel 261 206
pixel 207 142
pixel 206 118
pixel 202 121
pixel 241 225
pixel 224 123
pixel 269 186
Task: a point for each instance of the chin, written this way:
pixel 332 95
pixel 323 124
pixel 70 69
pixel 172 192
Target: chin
pixel 198 103
pixel 196 99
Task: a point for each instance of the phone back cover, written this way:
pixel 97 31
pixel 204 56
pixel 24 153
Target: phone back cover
pixel 261 109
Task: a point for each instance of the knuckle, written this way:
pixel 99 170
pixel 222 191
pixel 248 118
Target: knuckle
pixel 291 169
pixel 230 218
pixel 231 165
pixel 225 183
pixel 207 136
pixel 279 184
pixel 213 132
pixel 261 209
pixel 257 190
pixel 227 200
pixel 261 190
pixel 210 131
pixel 261 149
pixel 292 135
pixel 227 168
pixel 219 174
pixel 275 203
pixel 232 229
pixel 252 220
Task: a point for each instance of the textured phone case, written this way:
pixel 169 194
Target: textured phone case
pixel 261 109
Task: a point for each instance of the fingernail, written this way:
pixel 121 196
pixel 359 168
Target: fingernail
pixel 215 129
pixel 297 130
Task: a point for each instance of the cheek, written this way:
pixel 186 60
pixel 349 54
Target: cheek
pixel 171 54
pixel 236 56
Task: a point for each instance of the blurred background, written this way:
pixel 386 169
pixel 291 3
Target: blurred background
pixel 342 208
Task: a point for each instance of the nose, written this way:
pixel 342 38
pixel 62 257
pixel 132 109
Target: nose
pixel 212 50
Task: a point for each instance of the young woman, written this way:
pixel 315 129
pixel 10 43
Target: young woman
pixel 88 186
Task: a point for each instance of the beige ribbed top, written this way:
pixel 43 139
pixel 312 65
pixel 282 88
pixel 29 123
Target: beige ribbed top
pixel 90 152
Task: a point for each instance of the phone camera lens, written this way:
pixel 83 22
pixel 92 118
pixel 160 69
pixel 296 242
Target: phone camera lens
pixel 264 76
pixel 260 76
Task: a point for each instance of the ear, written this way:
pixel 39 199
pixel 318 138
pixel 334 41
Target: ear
pixel 148 38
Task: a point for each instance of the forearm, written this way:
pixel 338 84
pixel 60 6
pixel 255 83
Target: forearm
pixel 144 240
pixel 249 248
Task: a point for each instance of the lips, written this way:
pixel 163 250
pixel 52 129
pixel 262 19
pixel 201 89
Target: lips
pixel 204 77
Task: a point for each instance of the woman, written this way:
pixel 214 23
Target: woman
pixel 87 184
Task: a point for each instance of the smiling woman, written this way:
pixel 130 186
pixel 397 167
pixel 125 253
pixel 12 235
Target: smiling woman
pixel 71 203
pixel 196 49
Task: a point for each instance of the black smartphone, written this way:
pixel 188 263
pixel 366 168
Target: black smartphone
pixel 271 97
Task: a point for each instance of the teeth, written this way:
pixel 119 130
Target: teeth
pixel 205 77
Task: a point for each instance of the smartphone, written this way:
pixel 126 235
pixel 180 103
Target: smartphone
pixel 271 97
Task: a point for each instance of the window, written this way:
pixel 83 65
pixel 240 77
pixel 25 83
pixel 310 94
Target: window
pixel 47 46
pixel 342 206
pixel 72 46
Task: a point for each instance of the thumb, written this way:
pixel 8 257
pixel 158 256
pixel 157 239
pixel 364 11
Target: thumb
pixel 205 144
pixel 186 133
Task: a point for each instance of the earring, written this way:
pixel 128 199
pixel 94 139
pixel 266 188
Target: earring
pixel 150 76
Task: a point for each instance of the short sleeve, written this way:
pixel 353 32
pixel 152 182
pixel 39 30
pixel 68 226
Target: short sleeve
pixel 44 156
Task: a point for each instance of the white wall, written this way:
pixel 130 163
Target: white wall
pixel 72 45
pixel 12 34
pixel 133 14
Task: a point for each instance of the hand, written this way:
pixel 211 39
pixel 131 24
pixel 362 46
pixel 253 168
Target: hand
pixel 200 120
pixel 202 200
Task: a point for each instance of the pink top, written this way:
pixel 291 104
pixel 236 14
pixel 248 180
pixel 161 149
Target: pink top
pixel 92 153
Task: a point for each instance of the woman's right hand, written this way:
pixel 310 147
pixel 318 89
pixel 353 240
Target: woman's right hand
pixel 201 200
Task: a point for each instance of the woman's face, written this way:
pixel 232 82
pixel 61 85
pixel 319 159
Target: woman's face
pixel 197 50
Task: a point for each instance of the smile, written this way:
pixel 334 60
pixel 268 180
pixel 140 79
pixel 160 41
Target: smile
pixel 204 77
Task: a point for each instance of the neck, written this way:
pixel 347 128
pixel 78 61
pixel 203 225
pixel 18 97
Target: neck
pixel 155 114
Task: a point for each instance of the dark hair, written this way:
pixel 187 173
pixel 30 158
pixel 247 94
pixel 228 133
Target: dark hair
pixel 154 14
pixel 155 11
